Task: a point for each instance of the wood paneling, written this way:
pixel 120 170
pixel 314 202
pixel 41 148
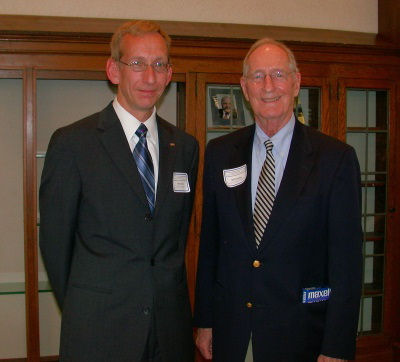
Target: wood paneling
pixel 27 24
pixel 389 20
pixel 75 48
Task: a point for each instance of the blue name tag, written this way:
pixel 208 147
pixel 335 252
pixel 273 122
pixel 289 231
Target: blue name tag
pixel 314 295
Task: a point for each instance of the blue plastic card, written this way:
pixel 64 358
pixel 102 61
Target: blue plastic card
pixel 315 295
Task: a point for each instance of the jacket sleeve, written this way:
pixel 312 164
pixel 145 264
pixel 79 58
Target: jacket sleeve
pixel 58 201
pixel 344 259
pixel 208 251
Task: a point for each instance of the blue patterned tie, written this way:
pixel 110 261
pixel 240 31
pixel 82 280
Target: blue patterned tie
pixel 144 164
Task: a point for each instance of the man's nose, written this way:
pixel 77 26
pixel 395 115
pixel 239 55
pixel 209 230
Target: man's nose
pixel 268 82
pixel 149 74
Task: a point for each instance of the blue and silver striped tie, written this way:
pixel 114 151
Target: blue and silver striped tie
pixel 144 164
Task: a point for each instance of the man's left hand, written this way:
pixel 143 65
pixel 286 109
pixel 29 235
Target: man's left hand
pixel 322 358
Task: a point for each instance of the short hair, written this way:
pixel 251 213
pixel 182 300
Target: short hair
pixel 265 41
pixel 135 28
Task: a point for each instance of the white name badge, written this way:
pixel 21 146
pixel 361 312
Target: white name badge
pixel 180 182
pixel 235 176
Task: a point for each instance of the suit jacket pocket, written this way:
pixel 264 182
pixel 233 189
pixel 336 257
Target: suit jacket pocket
pixel 83 323
pixel 92 288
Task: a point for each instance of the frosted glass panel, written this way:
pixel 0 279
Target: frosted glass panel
pixel 12 326
pixel 359 142
pixel 50 325
pixel 356 108
pixel 11 183
pixel 61 102
pixel 12 276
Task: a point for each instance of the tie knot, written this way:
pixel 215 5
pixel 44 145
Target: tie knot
pixel 268 145
pixel 141 131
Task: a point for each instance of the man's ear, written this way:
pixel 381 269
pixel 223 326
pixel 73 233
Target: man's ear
pixel 244 88
pixel 297 84
pixel 113 71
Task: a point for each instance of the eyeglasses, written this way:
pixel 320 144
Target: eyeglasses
pixel 140 66
pixel 276 76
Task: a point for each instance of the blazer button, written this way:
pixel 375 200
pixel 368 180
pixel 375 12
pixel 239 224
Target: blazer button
pixel 146 311
pixel 148 217
pixel 256 263
pixel 152 262
pixel 249 305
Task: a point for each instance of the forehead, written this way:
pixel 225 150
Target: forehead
pixel 268 56
pixel 149 45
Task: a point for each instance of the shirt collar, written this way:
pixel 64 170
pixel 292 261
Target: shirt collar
pixel 279 139
pixel 130 123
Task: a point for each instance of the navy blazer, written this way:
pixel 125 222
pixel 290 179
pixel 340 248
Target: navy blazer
pixel 114 266
pixel 313 239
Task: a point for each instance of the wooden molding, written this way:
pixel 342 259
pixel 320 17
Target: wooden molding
pixel 101 27
pixel 389 20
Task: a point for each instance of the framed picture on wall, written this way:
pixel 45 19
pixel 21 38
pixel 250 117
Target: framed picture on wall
pixel 225 107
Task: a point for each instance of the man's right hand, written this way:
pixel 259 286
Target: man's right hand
pixel 204 342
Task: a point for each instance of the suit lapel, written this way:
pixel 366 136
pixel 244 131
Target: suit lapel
pixel 242 155
pixel 298 167
pixel 167 155
pixel 112 136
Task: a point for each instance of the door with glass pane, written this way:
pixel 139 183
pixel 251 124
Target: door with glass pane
pixel 12 268
pixel 61 99
pixel 366 121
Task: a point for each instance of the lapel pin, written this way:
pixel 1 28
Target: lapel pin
pixel 172 144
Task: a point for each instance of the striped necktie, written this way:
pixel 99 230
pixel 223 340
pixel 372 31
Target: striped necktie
pixel 144 164
pixel 265 195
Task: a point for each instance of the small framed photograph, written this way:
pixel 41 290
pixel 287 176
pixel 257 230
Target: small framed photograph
pixel 225 107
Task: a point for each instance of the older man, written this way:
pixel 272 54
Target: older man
pixel 279 273
pixel 115 201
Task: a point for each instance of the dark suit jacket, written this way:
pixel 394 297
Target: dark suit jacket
pixel 111 264
pixel 313 239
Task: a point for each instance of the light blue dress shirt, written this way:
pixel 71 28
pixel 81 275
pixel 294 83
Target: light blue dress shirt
pixel 281 141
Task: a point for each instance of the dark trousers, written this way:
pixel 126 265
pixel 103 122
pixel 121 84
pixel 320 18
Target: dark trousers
pixel 152 351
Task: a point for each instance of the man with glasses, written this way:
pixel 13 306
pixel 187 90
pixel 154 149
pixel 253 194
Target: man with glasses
pixel 115 200
pixel 279 272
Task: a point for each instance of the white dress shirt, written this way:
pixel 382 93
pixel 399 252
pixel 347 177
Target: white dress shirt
pixel 130 124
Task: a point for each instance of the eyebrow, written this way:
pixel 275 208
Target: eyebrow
pixel 145 59
pixel 271 70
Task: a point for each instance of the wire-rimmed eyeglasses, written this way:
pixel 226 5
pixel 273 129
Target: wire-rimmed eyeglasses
pixel 138 65
pixel 275 76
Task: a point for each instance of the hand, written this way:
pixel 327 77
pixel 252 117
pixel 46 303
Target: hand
pixel 322 358
pixel 204 342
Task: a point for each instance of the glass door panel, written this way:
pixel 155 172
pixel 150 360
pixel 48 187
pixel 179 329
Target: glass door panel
pixel 61 102
pixel 307 106
pixel 12 268
pixel 367 125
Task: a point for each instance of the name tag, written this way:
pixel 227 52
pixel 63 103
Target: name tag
pixel 315 295
pixel 180 182
pixel 235 176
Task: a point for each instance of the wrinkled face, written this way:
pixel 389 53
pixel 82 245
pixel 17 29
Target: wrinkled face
pixel 270 85
pixel 138 92
pixel 226 104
